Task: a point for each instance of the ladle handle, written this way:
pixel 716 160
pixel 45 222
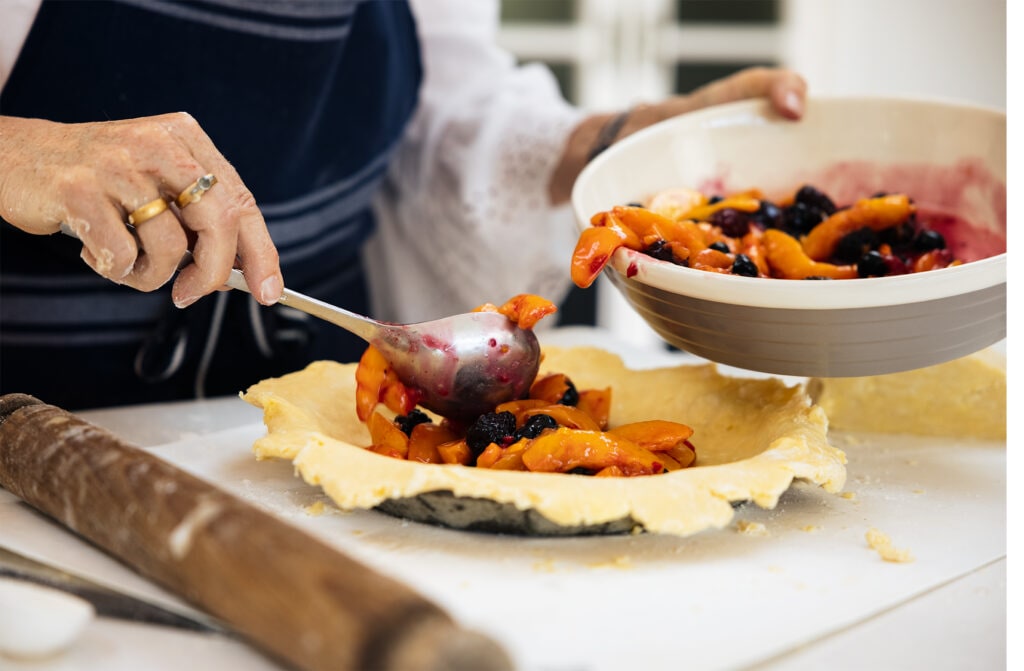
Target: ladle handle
pixel 350 321
pixel 362 326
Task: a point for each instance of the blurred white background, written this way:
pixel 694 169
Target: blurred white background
pixel 611 53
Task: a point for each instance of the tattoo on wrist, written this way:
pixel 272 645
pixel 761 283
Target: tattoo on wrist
pixel 606 136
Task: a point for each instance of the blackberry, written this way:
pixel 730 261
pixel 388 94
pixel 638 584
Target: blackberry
pixel 534 425
pixel 767 216
pixel 900 236
pixel 407 422
pixel 733 223
pixel 719 246
pixel 571 396
pixel 798 219
pixel 815 200
pixel 854 245
pixel 660 250
pixel 817 277
pixel 872 264
pixel 491 427
pixel 715 199
pixel 743 265
pixel 579 470
pixel 927 240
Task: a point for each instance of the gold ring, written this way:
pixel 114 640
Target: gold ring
pixel 147 211
pixel 193 193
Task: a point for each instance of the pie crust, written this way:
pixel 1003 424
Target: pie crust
pixel 963 398
pixel 753 438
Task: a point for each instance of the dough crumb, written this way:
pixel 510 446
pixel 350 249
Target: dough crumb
pixel 918 491
pixel 882 544
pixel 810 528
pixel 849 496
pixel 544 566
pixel 315 509
pixel 619 562
pixel 751 528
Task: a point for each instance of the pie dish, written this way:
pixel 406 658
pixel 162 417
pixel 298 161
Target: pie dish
pixel 753 437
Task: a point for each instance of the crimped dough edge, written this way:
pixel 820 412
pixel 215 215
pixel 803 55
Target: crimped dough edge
pixel 753 438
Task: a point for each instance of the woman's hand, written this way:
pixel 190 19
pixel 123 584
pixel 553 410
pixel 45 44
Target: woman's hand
pixel 785 89
pixel 91 176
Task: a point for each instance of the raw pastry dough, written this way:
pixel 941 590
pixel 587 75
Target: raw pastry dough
pixel 961 398
pixel 753 437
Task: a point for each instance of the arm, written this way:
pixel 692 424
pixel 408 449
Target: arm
pixel 91 176
pixel 787 91
pixel 473 210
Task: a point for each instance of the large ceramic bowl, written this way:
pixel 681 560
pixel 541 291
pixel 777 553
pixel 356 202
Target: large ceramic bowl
pixel 946 157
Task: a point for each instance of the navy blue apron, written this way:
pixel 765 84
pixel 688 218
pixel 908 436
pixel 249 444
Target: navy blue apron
pixel 306 98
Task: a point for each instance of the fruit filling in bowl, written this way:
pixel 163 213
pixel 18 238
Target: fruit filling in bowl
pixel 803 236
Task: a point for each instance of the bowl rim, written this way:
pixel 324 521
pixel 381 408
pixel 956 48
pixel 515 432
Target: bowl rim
pixel 780 293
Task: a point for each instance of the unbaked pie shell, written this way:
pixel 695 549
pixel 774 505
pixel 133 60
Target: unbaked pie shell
pixel 753 438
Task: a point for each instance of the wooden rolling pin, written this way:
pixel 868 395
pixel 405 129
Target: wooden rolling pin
pixel 294 597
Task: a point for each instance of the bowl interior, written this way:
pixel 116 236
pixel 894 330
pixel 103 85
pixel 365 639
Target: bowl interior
pixel 951 159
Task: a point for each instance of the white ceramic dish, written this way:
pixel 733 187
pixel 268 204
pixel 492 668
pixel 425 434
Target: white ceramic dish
pixel 948 157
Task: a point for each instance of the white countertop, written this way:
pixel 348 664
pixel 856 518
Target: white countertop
pixel 808 593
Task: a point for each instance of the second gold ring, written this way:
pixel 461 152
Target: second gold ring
pixel 146 212
pixel 193 193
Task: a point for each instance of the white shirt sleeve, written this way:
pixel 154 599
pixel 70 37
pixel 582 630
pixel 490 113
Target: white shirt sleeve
pixel 16 17
pixel 464 217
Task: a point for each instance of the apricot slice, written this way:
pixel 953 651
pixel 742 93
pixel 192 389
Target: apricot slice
pixel 562 450
pixel 598 404
pixel 656 435
pixel 787 259
pixel 423 442
pixel 387 438
pixel 874 213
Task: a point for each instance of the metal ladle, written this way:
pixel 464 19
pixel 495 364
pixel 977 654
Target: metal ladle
pixel 462 366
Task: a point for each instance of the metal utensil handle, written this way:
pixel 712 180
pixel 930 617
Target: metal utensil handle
pixel 362 326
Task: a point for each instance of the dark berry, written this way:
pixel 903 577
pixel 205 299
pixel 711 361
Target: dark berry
pixel 896 264
pixel 798 219
pixel 719 246
pixel 767 216
pixel 900 236
pixel 872 264
pixel 815 200
pixel 817 277
pixel 491 427
pixel 534 425
pixel 571 396
pixel 715 199
pixel 579 470
pixel 733 223
pixel 854 245
pixel 660 250
pixel 927 240
pixel 634 204
pixel 743 265
pixel 407 422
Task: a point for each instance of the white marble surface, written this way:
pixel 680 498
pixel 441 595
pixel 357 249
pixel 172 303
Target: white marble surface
pixel 807 594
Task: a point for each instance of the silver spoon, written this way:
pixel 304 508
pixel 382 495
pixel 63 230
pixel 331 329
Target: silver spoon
pixel 461 366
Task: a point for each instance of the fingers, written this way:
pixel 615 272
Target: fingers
pixel 788 92
pixel 228 224
pixel 163 232
pixel 107 245
pixel 93 176
pixel 785 89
